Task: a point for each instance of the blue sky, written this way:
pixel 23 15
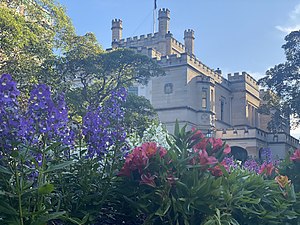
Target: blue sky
pixel 234 35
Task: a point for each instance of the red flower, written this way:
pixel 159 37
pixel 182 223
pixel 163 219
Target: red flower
pixel 148 180
pixel 267 169
pixel 216 171
pixel 136 160
pixel 296 156
pixel 149 148
pixel 215 143
pixel 162 152
pixel 205 159
pixel 201 145
pixel 198 134
pixel 125 171
pixel 139 159
pixel 227 149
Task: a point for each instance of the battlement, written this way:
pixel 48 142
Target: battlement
pixel 184 58
pixel 177 43
pixel 139 40
pixel 245 77
pixel 163 13
pixel 116 23
pixel 117 20
pixel 206 70
pixel 189 33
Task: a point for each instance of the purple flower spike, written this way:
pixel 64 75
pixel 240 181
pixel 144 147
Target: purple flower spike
pixel 103 127
pixel 9 114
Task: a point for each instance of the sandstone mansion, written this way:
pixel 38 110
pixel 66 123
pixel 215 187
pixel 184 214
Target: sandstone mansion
pixel 202 97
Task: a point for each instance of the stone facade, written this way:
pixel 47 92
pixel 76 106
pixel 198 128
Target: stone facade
pixel 201 97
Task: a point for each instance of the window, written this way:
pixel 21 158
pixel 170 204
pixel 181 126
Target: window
pixel 168 89
pixel 222 110
pixel 204 98
pixel 223 102
pixel 212 102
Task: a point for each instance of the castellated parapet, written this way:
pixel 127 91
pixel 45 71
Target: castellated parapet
pixel 185 59
pixel 244 77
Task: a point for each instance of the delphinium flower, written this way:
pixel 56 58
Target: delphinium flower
pixel 103 127
pixel 230 162
pixel 266 155
pixel 251 165
pixel 46 120
pixel 9 114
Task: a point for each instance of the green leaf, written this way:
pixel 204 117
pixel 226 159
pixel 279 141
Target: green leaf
pixel 7 209
pixel 45 218
pixel 46 189
pixel 5 170
pixel 14 154
pixel 52 146
pixel 164 208
pixel 176 130
pixel 52 168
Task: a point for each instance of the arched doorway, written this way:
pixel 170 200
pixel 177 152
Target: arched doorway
pixel 239 153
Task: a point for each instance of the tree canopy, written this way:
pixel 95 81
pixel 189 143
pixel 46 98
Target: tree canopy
pixel 284 78
pixel 38 45
pixel 97 73
pixel 139 114
pixel 31 33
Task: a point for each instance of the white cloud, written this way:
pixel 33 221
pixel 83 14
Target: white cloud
pixel 288 29
pixel 293 23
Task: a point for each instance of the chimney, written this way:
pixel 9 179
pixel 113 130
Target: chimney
pixel 116 29
pixel 189 38
pixel 163 21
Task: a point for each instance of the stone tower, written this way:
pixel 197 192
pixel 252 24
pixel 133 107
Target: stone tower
pixel 163 21
pixel 189 38
pixel 116 30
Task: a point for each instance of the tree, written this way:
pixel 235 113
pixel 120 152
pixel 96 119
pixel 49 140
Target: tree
pixel 31 32
pixel 284 79
pixel 97 74
pixel 139 113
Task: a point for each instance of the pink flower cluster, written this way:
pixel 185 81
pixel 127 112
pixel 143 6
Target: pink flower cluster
pixel 207 149
pixel 138 160
pixel 296 156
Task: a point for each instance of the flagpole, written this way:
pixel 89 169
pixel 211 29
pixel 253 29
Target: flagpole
pixel 154 16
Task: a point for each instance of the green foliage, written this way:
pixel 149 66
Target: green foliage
pixel 284 78
pixel 291 169
pixel 30 31
pixel 187 193
pixel 98 74
pixel 139 114
pixel 28 194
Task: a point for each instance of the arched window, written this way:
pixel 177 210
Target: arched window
pixel 239 153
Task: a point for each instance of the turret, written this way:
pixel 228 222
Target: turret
pixel 163 21
pixel 189 38
pixel 116 29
